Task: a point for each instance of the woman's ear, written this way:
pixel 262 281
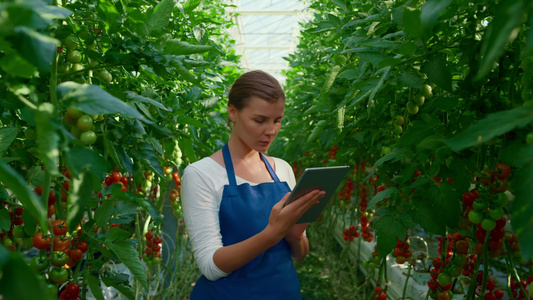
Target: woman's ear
pixel 232 111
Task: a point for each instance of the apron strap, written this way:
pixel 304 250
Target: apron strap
pixel 231 172
pixel 270 169
pixel 229 165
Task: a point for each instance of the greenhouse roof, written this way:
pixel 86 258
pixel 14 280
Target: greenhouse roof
pixel 267 31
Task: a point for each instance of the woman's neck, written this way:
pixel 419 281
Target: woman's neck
pixel 242 153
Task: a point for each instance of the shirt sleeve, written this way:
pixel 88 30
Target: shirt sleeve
pixel 200 211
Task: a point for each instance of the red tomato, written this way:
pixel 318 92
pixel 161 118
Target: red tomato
pixel 59 227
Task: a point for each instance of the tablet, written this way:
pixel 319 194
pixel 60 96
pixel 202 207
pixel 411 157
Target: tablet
pixel 323 178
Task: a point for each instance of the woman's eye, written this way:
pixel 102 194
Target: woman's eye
pixel 259 121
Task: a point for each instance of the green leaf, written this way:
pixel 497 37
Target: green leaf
pixel 431 11
pixel 190 5
pixel 186 146
pixel 350 74
pixel 160 17
pixel 178 47
pixel 446 202
pixel 388 231
pixel 428 216
pixel 15 65
pixel 438 72
pixel 18 280
pixel 7 136
pixel 330 79
pixel 146 153
pixel 509 15
pixel 412 78
pixel 395 155
pixel 5 219
pixel 411 22
pixel 36 48
pixel 117 234
pixel 121 283
pixel 150 209
pixel 493 125
pixel 104 212
pixel 130 258
pixel 94 285
pixel 183 71
pixel 81 159
pixel 27 197
pixel 47 132
pixel 183 119
pixel 93 100
pixel 80 192
pixel 387 193
pixel 521 208
pixel 418 131
pixel 139 98
pixel 320 126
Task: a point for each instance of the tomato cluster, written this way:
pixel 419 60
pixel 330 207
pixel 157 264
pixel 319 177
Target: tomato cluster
pixel 519 288
pixel 70 292
pixel 373 260
pixel 401 251
pixel 350 234
pixel 117 178
pixel 380 294
pixel 345 193
pixel 82 125
pixel 152 251
pixel 16 233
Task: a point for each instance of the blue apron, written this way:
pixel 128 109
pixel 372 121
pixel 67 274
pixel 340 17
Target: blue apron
pixel 244 212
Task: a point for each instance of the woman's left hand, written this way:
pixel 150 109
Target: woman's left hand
pixel 297 231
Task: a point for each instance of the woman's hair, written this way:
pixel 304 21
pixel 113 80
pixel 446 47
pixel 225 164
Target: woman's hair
pixel 255 83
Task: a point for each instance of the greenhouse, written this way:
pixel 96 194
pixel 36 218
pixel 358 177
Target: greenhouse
pixel 149 149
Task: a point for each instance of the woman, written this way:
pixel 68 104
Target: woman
pixel 243 236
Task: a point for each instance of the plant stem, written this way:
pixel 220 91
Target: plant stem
pixel 406 281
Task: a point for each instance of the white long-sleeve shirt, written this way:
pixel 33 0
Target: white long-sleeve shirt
pixel 201 193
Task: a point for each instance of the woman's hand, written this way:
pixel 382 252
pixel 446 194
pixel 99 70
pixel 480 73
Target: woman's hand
pixel 284 217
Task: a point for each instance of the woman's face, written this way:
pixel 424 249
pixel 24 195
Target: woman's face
pixel 258 123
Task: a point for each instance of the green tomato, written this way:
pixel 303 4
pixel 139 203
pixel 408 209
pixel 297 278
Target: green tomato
pixel 397 129
pixel 58 275
pixel 18 231
pixel 74 56
pixel 399 120
pixel 496 213
pixel 156 260
pixel 488 224
pixel 426 91
pixel 39 263
pixel 88 137
pixel 412 108
pixel 475 216
pixel 444 279
pixel 529 138
pixel 480 204
pixel 77 67
pixel 8 242
pixel 419 99
pixel 460 260
pixel 105 76
pixel 58 258
pixel 455 270
pixel 500 200
pixel 70 42
pixel 63 68
pixel 84 123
